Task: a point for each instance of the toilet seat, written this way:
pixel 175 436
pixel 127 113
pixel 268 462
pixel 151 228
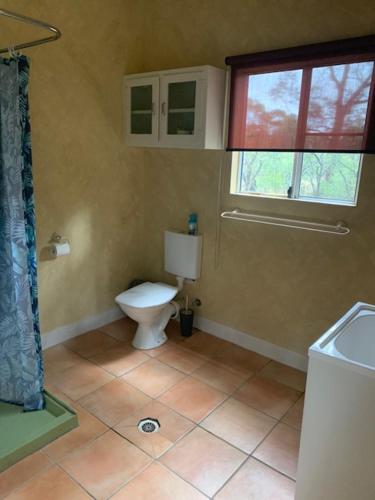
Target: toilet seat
pixel 147 295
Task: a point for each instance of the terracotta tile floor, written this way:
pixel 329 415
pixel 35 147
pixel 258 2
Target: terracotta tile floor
pixel 230 422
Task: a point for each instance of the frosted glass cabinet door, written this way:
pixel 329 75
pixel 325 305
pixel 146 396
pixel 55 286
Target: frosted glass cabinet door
pixel 181 112
pixel 141 105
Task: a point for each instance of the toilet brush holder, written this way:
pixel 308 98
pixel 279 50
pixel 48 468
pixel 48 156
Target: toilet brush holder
pixel 186 322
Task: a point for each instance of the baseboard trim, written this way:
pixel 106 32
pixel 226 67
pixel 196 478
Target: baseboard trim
pixel 225 332
pixel 252 343
pixel 67 332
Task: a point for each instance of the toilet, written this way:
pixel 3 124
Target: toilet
pixel 152 304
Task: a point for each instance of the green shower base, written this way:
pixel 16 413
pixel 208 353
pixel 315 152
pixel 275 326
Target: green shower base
pixel 22 433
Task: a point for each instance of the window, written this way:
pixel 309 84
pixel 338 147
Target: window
pixel 316 98
pixel 321 177
pixel 299 119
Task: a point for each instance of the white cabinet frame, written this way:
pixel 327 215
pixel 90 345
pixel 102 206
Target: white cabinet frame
pixel 140 139
pixel 208 109
pixel 175 140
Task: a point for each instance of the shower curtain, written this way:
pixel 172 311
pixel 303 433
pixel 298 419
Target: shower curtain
pixel 21 366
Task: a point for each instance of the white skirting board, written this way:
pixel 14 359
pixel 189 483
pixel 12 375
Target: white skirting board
pixel 242 339
pixel 252 343
pixel 67 332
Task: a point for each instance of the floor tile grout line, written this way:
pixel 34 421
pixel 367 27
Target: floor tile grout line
pixel 169 468
pixel 83 446
pixel 24 483
pixel 185 481
pixel 276 423
pixel 253 375
pixel 130 478
pixel 173 443
pixel 59 464
pixel 91 440
pixel 115 374
pixel 246 457
pixel 156 358
pixel 180 369
pixel 212 359
pixel 232 475
pixel 115 378
pixel 264 413
pixel 265 437
pixel 163 391
pixel 284 414
pixel 75 480
pixel 140 390
pixel 87 358
pixel 195 424
pixel 142 406
pixel 207 359
pixel 273 468
pixel 118 376
pixel 251 455
pixel 260 444
pixel 176 344
pixel 298 429
pixel 224 441
pixel 186 376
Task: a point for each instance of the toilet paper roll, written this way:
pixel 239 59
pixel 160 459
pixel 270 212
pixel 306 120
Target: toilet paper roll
pixel 59 249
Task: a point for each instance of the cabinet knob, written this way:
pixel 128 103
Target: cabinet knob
pixel 163 108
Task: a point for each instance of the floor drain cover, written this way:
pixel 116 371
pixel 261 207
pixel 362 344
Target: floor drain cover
pixel 148 425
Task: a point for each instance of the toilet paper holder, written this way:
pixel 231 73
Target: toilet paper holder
pixel 57 238
pixel 58 246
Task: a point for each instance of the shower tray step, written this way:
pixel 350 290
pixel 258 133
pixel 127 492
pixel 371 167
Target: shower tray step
pixel 22 433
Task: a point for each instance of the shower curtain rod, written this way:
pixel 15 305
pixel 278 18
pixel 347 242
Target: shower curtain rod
pixel 29 20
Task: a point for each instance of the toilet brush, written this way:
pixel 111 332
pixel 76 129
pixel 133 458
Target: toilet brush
pixel 186 319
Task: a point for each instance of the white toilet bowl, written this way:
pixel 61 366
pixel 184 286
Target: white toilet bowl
pixel 151 305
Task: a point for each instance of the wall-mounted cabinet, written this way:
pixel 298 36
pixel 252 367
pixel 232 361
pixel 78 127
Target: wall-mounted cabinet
pixel 182 108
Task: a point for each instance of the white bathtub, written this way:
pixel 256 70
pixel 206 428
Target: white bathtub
pixel 337 454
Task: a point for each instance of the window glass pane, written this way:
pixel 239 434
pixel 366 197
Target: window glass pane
pixel 331 176
pixel 265 173
pixel 338 106
pixel 141 109
pixel 181 95
pixel 181 123
pixel 181 108
pixel 141 123
pixel 141 98
pixel 272 109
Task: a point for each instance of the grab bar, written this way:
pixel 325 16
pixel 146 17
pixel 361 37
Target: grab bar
pixel 339 228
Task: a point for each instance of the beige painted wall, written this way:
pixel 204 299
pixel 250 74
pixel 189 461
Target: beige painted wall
pixel 114 202
pixel 88 186
pixel 285 286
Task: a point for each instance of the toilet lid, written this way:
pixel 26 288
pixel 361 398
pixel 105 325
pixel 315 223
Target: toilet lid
pixel 147 295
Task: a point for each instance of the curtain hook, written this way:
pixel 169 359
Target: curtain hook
pixel 13 53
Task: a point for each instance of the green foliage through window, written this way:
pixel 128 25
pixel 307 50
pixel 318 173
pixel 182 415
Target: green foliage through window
pixel 326 177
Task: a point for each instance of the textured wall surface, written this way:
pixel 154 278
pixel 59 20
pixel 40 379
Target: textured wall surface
pixel 87 184
pixel 114 202
pixel 285 286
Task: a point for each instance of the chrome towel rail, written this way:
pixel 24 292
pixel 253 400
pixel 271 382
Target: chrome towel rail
pixel 339 228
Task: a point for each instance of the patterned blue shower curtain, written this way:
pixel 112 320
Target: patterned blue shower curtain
pixel 21 365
